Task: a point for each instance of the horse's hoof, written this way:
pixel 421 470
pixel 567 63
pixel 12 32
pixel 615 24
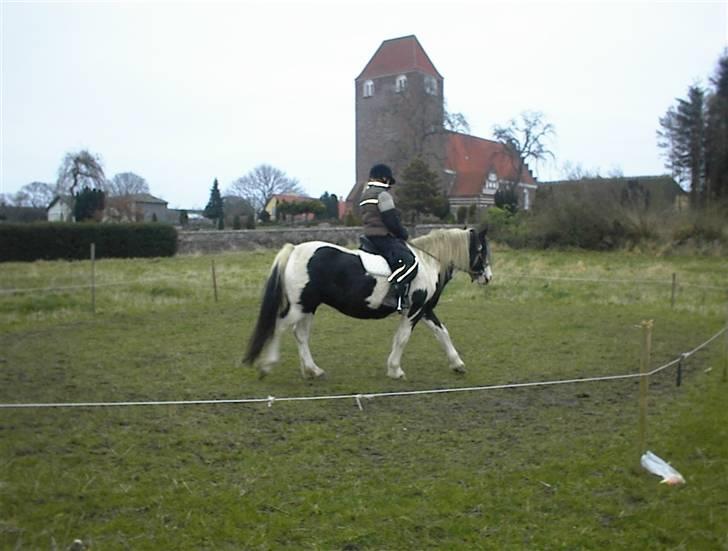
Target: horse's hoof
pixel 397 375
pixel 262 374
pixel 312 374
pixel 459 370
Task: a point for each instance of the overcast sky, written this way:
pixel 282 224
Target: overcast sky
pixel 181 93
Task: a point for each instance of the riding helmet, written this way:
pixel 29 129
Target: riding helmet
pixel 382 173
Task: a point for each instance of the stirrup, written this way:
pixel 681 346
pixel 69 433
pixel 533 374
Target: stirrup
pixel 402 300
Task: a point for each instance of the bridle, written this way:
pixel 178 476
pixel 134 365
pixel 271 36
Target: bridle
pixel 481 257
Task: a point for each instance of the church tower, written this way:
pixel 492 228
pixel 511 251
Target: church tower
pixel 399 111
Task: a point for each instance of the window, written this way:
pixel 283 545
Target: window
pixel 430 85
pixel 401 83
pixel 368 88
pixel 491 182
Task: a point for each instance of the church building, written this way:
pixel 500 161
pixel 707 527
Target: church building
pixel 400 113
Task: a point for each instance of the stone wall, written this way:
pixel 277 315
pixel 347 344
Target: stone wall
pixel 198 242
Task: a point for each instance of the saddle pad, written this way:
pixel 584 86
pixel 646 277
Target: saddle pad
pixel 374 264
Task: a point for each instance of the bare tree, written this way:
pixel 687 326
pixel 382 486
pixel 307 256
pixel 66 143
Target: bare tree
pixel 79 170
pixel 525 140
pixel 262 183
pixel 576 171
pixel 35 194
pixel 126 183
pixel 455 122
pixel 417 125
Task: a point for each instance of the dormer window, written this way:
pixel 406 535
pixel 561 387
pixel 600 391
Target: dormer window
pixel 368 88
pixel 430 85
pixel 401 83
pixel 491 182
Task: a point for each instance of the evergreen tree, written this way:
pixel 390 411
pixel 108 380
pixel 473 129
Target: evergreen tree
pixel 506 198
pixel 89 204
pixel 683 139
pixel 331 206
pixel 717 133
pixel 214 208
pixel 420 191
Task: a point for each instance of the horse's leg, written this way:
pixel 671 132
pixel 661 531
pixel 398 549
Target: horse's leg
pixel 443 337
pixel 302 331
pixel 271 353
pixel 400 341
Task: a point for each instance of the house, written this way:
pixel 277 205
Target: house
pixel 400 112
pixel 140 207
pixel 60 209
pixel 477 168
pixel 645 192
pixel 272 207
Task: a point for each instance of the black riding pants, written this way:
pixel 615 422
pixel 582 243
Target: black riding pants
pixel 400 259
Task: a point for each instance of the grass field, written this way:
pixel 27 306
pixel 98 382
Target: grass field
pixel 539 468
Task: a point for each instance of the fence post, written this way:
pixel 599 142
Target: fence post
pixel 214 279
pixel 674 286
pixel 644 381
pixel 93 278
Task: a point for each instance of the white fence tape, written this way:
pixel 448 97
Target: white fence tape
pixel 20 290
pixel 506 277
pixel 359 396
pixel 635 281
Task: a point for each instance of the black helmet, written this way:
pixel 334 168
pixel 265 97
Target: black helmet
pixel 382 173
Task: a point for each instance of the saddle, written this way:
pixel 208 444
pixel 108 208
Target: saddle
pixel 374 263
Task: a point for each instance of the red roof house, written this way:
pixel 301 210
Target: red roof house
pixel 471 168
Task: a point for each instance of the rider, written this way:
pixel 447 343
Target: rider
pixel 384 229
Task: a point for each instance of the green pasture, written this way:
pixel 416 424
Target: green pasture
pixel 553 467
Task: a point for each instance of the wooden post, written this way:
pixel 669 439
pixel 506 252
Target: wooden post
pixel 93 278
pixel 674 287
pixel 678 380
pixel 644 381
pixel 214 279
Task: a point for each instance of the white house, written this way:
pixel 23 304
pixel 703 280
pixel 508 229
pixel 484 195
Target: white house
pixel 60 209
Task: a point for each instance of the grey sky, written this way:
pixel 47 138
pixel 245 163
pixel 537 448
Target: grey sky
pixel 181 93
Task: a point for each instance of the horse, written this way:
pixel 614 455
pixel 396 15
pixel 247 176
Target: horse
pixel 354 282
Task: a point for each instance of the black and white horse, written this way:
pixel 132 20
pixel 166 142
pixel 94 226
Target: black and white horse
pixel 355 283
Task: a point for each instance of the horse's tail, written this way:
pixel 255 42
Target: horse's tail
pixel 274 302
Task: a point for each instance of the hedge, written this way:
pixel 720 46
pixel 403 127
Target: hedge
pixel 52 241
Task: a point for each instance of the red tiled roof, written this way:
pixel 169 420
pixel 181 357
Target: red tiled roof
pixel 399 55
pixel 473 158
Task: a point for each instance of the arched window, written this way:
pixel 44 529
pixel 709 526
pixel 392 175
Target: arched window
pixel 401 83
pixel 430 85
pixel 368 88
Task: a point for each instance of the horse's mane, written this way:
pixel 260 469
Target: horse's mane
pixel 451 247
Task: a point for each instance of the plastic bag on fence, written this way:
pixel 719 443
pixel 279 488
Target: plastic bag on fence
pixel 658 466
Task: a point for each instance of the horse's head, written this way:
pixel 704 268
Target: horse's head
pixel 480 257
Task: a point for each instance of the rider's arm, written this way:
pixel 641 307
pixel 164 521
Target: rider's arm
pixel 390 216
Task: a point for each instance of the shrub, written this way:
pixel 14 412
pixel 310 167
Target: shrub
pixel 506 226
pixel 52 241
pixel 593 217
pixel 702 226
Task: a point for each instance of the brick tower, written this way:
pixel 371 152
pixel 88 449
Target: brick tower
pixel 399 111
